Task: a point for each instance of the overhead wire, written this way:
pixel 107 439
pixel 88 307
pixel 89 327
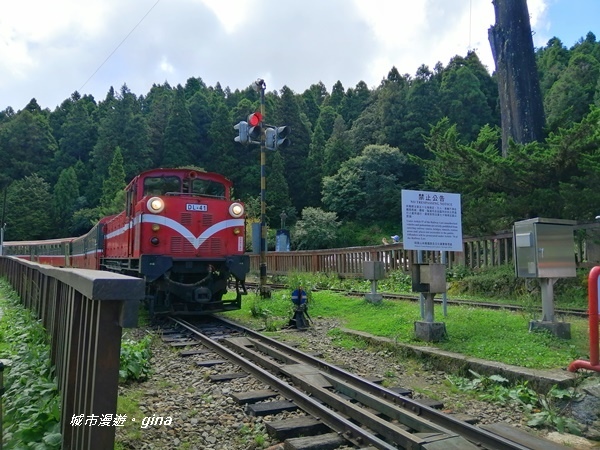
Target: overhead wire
pixel 470 22
pixel 120 44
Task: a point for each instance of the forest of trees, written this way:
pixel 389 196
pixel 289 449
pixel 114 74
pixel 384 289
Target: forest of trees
pixel 353 150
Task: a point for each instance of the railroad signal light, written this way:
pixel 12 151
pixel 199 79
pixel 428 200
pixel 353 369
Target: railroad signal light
pixel 243 137
pixel 255 119
pixel 254 126
pixel 270 138
pixel 277 137
pixel 281 136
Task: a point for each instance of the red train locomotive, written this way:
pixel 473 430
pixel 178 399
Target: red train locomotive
pixel 180 231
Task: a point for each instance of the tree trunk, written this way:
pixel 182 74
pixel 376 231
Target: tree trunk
pixel 521 107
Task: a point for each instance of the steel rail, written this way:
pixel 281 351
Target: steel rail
pixel 473 434
pixel 344 427
pixel 577 312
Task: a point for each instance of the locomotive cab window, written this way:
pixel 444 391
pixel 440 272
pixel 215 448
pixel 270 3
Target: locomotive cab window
pixel 161 185
pixel 208 188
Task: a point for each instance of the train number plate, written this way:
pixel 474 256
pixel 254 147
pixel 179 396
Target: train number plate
pixel 194 207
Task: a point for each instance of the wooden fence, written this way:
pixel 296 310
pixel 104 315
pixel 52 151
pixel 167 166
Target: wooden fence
pixel 478 252
pixel 83 312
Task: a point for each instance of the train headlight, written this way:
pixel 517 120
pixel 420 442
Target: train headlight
pixel 155 205
pixel 236 210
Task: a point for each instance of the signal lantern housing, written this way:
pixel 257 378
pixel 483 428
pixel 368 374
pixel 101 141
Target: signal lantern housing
pixel 281 136
pixel 255 126
pixel 243 137
pixel 277 137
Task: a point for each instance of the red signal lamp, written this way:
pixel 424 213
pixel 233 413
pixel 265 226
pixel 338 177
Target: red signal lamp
pixel 255 119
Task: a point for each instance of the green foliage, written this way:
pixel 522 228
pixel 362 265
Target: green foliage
pixel 396 281
pixel 76 132
pixel 551 62
pixel 368 187
pixel 458 272
pixel 548 413
pixel 27 209
pixel 543 409
pixel 66 194
pixel 267 313
pixel 295 280
pixel 31 401
pixel 288 112
pixel 322 281
pixel 135 359
pixel 497 281
pixel 84 219
pixel 338 148
pixel 180 134
pixel 353 234
pixel 501 283
pixel 252 437
pixel 332 136
pixel 316 229
pixel 463 101
pixel 279 196
pixel 569 98
pixel 27 145
pixel 550 179
pixel 113 195
pixel 259 309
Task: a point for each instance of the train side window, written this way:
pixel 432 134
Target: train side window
pixel 129 203
pixel 161 185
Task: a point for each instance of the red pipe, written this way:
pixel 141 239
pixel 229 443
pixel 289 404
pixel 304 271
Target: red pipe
pixel 593 363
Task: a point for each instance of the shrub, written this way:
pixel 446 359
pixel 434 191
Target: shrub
pixel 135 359
pixel 32 404
pixel 499 281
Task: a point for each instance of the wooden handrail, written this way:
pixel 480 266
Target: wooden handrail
pixel 478 252
pixel 83 312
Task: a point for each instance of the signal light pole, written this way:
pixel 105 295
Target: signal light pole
pixel 265 292
pixel 269 138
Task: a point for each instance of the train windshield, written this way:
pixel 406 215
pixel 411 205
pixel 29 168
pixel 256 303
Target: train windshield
pixel 208 188
pixel 161 185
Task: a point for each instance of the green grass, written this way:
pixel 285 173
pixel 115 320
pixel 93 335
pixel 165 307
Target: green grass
pixel 496 335
pixel 128 404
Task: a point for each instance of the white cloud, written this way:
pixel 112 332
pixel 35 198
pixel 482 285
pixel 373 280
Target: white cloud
pixel 166 66
pixel 231 13
pixel 50 49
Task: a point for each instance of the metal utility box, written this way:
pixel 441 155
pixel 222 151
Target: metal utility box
pixel 429 278
pixel 544 248
pixel 373 270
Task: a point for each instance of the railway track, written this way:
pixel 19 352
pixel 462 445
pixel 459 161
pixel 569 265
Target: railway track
pixel 343 409
pixel 476 304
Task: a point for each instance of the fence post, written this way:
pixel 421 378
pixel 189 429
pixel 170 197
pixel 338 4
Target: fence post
pixel 1 395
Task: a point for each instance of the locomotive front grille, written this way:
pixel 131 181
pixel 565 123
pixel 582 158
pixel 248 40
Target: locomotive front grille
pixel 180 245
pixel 186 219
pixel 212 246
pixel 215 246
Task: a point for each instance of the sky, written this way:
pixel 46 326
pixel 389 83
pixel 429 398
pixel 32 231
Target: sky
pixel 50 49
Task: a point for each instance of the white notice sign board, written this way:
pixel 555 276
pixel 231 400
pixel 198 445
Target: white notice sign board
pixel 431 221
